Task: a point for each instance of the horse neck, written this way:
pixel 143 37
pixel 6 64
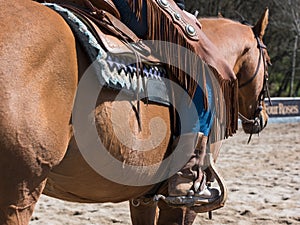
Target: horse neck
pixel 229 37
pixel 237 45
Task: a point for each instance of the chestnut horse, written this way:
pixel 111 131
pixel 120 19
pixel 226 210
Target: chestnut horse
pixel 39 68
pixel 249 59
pixel 242 46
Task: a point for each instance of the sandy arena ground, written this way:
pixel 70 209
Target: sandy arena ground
pixel 262 178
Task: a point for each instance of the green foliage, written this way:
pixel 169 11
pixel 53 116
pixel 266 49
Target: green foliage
pixel 284 26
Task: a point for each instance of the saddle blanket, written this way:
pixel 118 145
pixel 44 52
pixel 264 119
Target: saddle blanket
pixel 116 70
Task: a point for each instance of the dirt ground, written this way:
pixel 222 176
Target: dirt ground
pixel 262 178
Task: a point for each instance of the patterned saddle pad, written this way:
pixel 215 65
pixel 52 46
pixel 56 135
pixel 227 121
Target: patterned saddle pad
pixel 117 67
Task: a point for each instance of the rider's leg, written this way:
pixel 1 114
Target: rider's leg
pixel 194 138
pixel 130 19
pixel 194 134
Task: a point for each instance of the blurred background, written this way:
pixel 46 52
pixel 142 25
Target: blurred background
pixel 282 35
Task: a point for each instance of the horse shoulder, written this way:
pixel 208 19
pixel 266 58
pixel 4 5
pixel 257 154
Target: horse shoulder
pixel 38 72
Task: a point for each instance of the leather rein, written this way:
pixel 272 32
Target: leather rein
pixel 264 92
pixel 265 89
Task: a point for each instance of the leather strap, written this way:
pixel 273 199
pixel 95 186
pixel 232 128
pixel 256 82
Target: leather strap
pixel 107 21
pixel 106 5
pixel 113 34
pixel 121 27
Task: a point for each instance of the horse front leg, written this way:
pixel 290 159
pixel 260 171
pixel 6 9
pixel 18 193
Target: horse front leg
pixel 24 170
pixel 20 210
pixel 175 216
pixel 143 212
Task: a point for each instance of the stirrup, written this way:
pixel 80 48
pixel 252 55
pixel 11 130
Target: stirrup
pixel 185 201
pixel 220 201
pixel 200 204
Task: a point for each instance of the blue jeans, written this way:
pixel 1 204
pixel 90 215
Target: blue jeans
pixel 202 120
pixel 139 27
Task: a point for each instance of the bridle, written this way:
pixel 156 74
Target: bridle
pixel 264 92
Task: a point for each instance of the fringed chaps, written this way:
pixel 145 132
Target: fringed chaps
pixel 167 22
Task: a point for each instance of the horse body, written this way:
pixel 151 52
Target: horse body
pixel 39 76
pixel 71 183
pixel 39 70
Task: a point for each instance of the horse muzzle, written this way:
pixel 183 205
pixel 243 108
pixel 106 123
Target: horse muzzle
pixel 256 125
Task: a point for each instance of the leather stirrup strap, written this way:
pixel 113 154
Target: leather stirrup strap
pixel 107 21
pixel 106 5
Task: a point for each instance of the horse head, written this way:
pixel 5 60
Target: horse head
pixel 243 48
pixel 251 69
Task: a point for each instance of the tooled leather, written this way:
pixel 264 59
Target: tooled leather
pixel 178 17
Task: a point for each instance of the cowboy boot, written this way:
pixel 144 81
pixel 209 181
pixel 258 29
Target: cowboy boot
pixel 191 180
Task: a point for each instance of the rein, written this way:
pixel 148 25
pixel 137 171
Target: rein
pixel 260 46
pixel 265 89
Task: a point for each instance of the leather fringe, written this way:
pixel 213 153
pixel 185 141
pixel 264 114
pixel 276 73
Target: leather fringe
pixel 136 7
pixel 230 93
pixel 162 27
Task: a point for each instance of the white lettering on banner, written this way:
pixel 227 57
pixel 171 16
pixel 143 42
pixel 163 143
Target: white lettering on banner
pixel 282 109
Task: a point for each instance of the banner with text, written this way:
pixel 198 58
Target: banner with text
pixel 283 107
